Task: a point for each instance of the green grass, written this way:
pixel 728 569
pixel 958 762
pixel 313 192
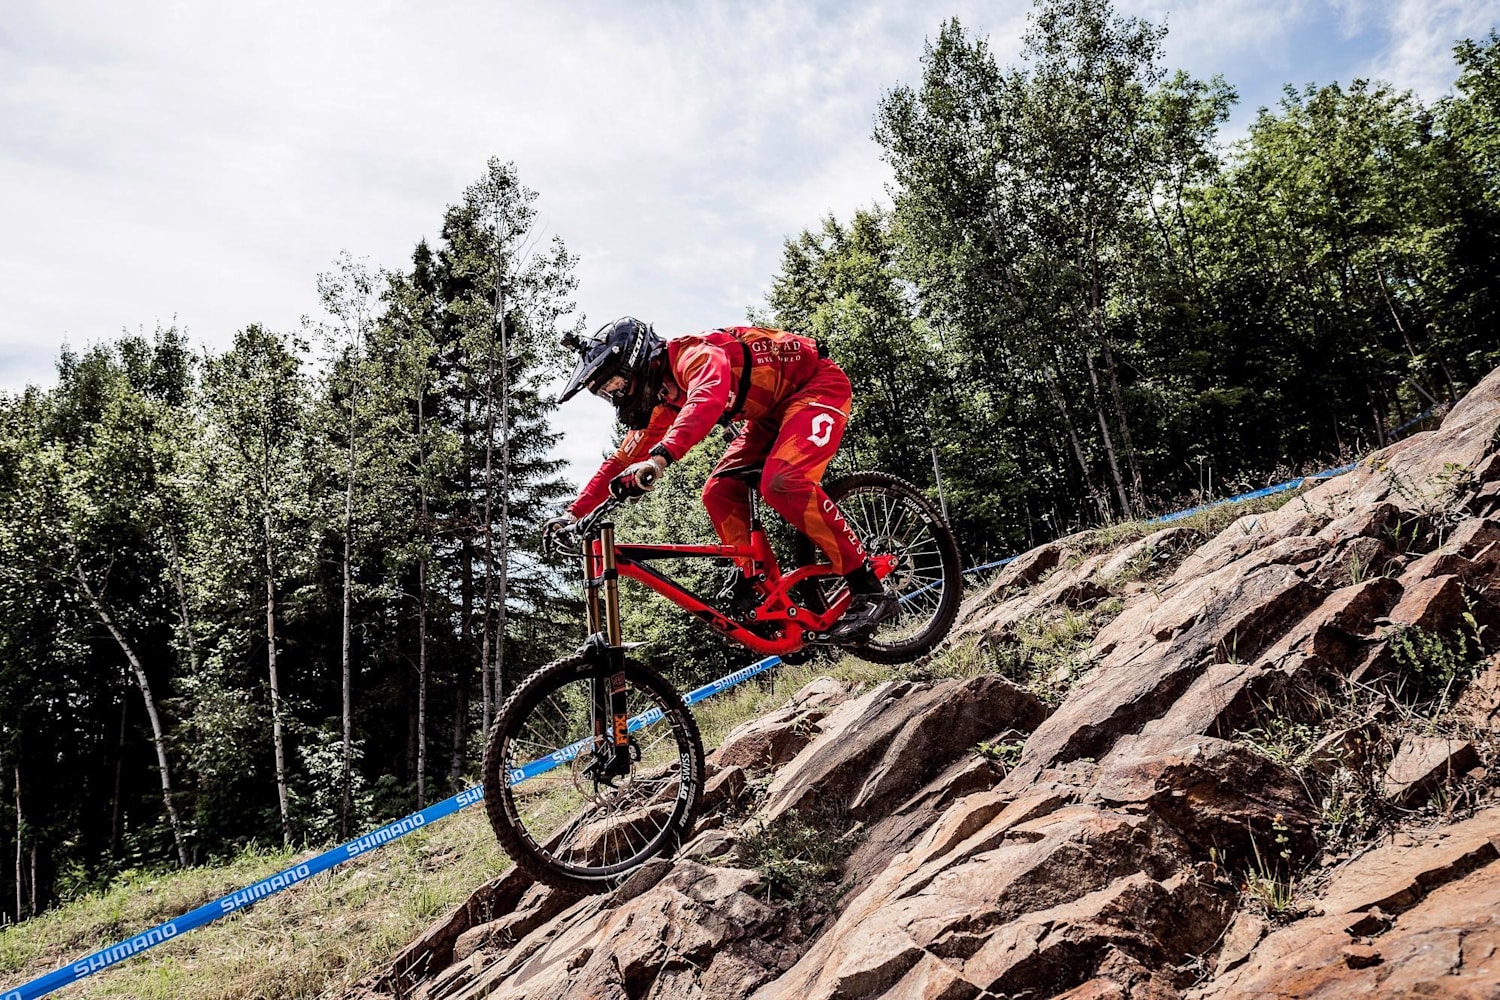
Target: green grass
pixel 1207 523
pixel 312 940
pixel 321 936
pixel 717 716
pixel 1047 653
pixel 799 857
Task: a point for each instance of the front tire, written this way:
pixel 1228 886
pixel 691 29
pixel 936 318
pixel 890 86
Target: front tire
pixel 561 823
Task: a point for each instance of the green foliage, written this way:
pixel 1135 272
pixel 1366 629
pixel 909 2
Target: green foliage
pixel 194 549
pixel 1282 740
pixel 1098 312
pixel 1047 653
pixel 1433 666
pixel 1271 881
pixel 801 858
pixel 1006 753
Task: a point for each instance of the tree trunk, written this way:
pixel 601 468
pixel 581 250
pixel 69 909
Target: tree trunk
pixel 276 737
pixel 182 601
pixel 1083 466
pixel 422 601
pixel 504 588
pixel 157 736
pixel 346 768
pixel 1377 417
pixel 462 674
pixel 1109 444
pixel 488 531
pixel 422 682
pixel 20 849
pixel 460 710
pixel 117 814
pixel 1119 400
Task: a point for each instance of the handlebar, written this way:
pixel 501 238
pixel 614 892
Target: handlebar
pixel 584 528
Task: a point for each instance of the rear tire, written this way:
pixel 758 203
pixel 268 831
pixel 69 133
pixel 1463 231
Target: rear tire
pixel 559 823
pixel 892 517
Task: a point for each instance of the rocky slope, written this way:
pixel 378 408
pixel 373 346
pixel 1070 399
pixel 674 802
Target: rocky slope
pixel 1268 775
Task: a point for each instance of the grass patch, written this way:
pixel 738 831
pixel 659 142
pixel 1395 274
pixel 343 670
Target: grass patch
pixel 800 858
pixel 315 939
pixel 773 689
pixel 1340 743
pixel 1046 653
pixel 1271 883
pixel 1206 523
pixel 1004 753
pixel 1434 667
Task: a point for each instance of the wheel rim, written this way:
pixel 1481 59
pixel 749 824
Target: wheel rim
pixel 895 525
pixel 570 816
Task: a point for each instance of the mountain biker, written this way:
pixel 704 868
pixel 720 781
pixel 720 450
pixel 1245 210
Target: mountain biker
pixel 795 403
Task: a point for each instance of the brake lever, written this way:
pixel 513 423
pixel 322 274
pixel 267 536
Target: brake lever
pixel 554 542
pixel 584 526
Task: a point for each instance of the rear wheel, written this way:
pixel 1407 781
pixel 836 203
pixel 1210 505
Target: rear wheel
pixel 893 518
pixel 568 807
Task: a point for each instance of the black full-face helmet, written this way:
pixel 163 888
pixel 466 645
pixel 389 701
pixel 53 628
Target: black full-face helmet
pixel 621 362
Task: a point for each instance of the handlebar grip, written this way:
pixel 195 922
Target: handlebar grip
pixel 647 477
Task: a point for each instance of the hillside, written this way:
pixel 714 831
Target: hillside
pixel 1256 765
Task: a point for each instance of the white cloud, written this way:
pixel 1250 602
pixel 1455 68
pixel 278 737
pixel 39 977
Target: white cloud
pixel 205 161
pixel 1423 33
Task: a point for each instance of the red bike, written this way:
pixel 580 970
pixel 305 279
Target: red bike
pixel 595 765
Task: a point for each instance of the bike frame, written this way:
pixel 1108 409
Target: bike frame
pixel 779 625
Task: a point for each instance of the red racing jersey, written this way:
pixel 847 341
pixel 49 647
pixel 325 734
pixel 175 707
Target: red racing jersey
pixel 734 373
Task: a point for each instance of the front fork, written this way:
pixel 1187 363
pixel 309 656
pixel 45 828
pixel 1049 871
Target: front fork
pixel 614 749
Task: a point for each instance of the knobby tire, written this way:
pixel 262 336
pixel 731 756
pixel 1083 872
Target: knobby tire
pixel 662 792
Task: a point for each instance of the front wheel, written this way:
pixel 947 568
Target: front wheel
pixel 572 809
pixel 893 518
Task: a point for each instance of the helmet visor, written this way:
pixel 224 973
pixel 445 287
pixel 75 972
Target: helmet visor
pixel 596 360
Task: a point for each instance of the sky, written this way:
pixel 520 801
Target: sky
pixel 200 164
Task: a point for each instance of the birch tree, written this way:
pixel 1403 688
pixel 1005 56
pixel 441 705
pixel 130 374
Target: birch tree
pixel 507 291
pixel 255 394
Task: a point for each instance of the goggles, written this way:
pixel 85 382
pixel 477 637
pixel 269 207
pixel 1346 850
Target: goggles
pixel 613 389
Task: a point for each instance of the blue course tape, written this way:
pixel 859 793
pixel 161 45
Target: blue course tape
pixel 209 912
pixel 544 764
pixel 1266 491
pixel 194 919
pixel 226 905
pixel 1392 435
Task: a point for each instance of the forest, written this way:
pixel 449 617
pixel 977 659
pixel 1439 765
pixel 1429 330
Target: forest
pixel 275 594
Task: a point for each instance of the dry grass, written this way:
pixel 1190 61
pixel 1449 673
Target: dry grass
pixel 313 940
pixel 717 716
pixel 1207 523
pixel 320 937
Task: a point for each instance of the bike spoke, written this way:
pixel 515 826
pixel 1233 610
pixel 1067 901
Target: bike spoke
pixel 569 812
pixel 894 527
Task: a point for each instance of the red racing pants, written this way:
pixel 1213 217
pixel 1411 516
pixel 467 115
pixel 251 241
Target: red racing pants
pixel 793 445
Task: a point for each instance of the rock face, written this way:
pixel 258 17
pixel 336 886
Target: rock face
pixel 1110 854
pixel 1418 918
